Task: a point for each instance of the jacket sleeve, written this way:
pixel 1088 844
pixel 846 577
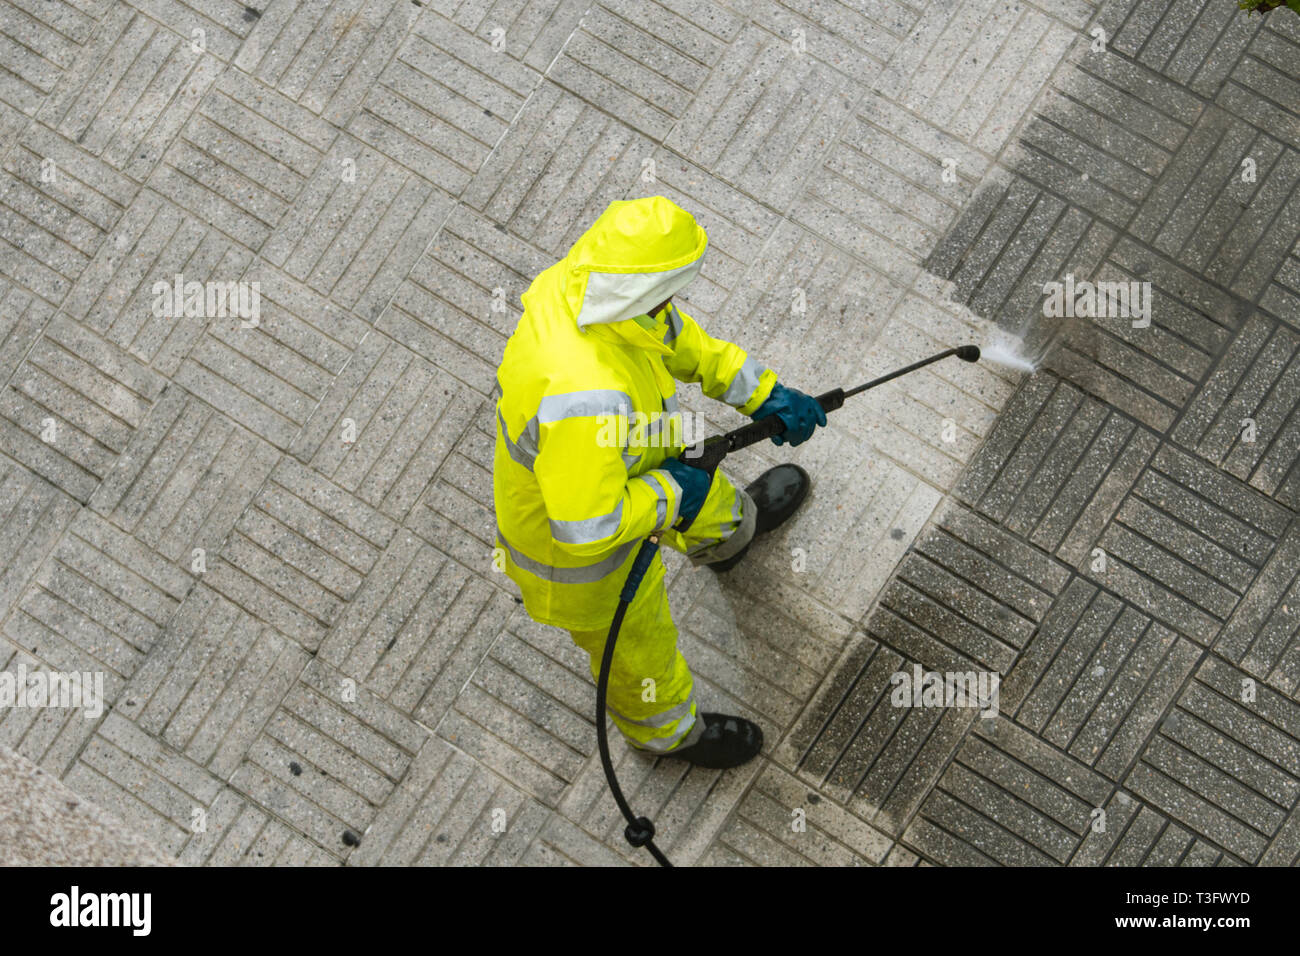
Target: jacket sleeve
pixel 723 369
pixel 591 503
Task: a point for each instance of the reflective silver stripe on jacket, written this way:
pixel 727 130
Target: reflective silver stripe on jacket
pixel 743 385
pixel 554 408
pixel 581 575
pixel 657 426
pixel 597 401
pixel 674 324
pixel 587 530
pixel 662 520
pixel 525 452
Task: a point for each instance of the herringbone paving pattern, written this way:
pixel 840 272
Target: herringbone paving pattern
pixel 275 537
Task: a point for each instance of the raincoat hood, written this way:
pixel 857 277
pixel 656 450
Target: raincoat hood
pixel 638 253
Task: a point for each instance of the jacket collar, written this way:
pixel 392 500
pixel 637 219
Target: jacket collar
pixel 629 332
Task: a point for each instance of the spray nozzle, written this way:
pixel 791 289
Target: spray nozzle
pixel 968 353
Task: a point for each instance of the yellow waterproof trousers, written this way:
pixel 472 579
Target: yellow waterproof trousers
pixel 650 695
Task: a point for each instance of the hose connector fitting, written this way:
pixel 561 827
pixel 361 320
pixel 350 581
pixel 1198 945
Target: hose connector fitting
pixel 640 833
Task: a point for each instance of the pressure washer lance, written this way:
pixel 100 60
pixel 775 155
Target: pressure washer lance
pixel 707 455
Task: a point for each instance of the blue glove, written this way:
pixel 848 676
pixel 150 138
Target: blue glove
pixel 801 414
pixel 695 484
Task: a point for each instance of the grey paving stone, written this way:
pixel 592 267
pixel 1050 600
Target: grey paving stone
pixel 460 302
pixel 1196 43
pixel 781 822
pixel 38 44
pixel 300 553
pixel 967 593
pixel 152 242
pixel 306 763
pixel 1132 834
pixel 1222 216
pixel 644 62
pixel 561 162
pixel 532 31
pixel 764 116
pixel 220 27
pixel 33 516
pixel 236 833
pixel 98 604
pixel 1014 238
pixel 56 205
pixel 242 158
pixel 1007 798
pixel 1097 677
pixel 271 375
pixel 325 55
pixel 386 426
pixel 50 737
pixel 1209 214
pixel 1149 373
pixel 562 843
pixel 852 40
pixel 1261 636
pixel 215 679
pixel 1056 467
pixel 1262 82
pixel 973 67
pixel 184 479
pixel 690 805
pixel 948 254
pixel 359 225
pixel 450 810
pixel 1241 419
pixel 130 91
pixel 854 746
pixel 1078 153
pixel 881 190
pixel 1282 296
pixel 801 296
pixel 455 512
pixel 1284 850
pixel 1225 768
pixel 72 404
pixel 1186 544
pixel 144 782
pixel 442 102
pixel 511 747
pixel 419 629
pixel 22 319
pixel 48 824
pixel 526 711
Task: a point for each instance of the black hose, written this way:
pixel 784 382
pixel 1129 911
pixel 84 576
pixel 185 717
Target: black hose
pixel 639 831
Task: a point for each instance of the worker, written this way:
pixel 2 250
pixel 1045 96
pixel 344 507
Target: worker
pixel 588 463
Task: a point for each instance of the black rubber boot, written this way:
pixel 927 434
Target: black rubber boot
pixel 727 742
pixel 778 492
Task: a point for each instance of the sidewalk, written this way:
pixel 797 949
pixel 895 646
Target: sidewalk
pixel 276 541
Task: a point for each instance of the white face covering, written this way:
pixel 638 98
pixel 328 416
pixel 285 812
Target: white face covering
pixel 615 296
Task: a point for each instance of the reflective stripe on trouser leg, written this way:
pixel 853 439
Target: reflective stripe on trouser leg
pixel 724 525
pixel 661 715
